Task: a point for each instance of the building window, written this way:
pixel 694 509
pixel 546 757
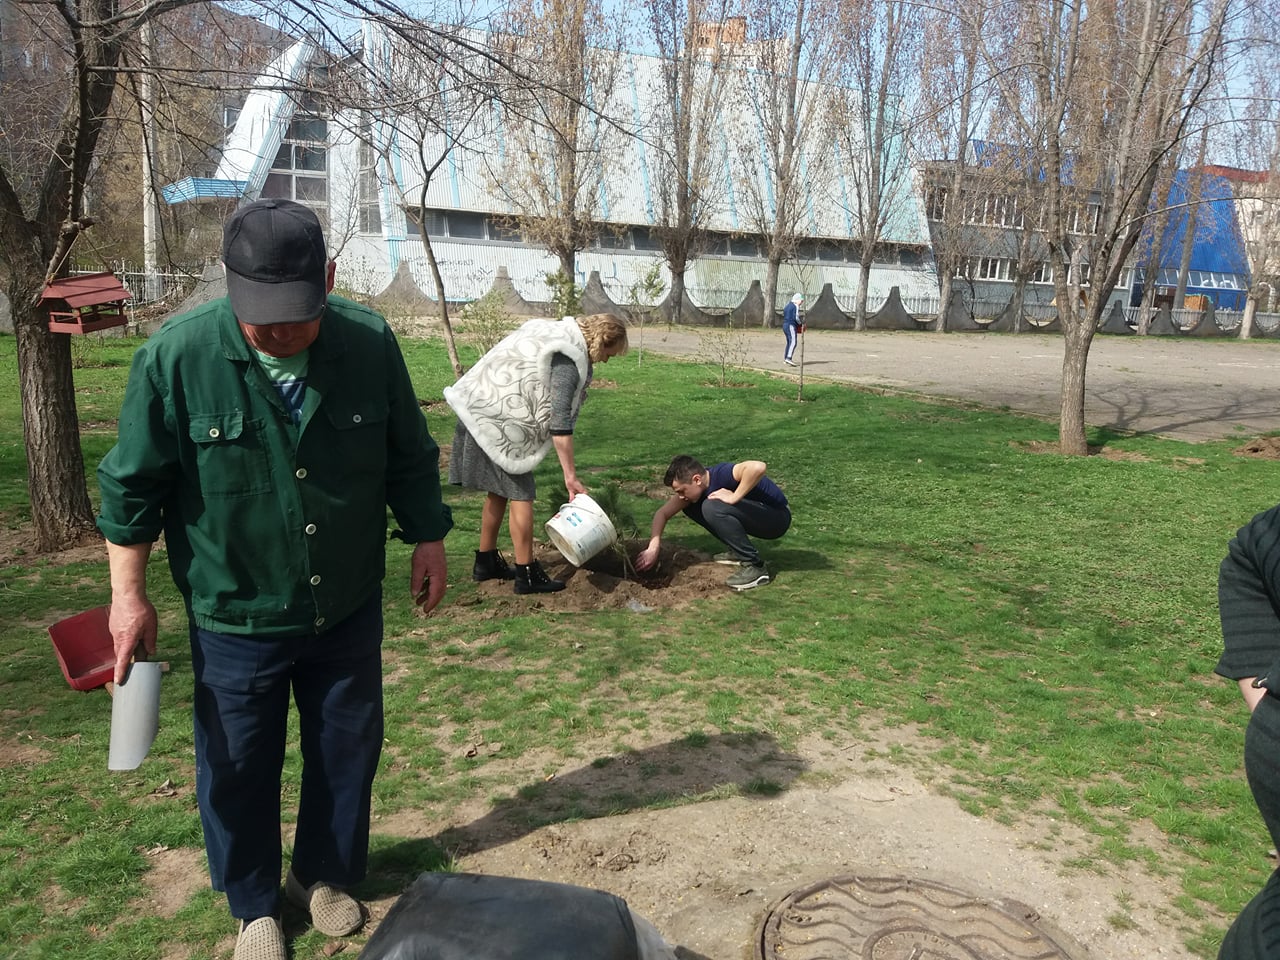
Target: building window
pixel 510 232
pixel 369 199
pixel 300 171
pixel 644 239
pixel 936 203
pixel 744 247
pixel 1043 272
pixel 465 226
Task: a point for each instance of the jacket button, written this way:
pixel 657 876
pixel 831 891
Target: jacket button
pixel 309 529
pixel 215 432
pixel 356 418
pixel 301 473
pixel 315 580
pixel 319 621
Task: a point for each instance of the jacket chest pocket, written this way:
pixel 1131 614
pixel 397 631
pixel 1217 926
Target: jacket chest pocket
pixel 359 435
pixel 230 455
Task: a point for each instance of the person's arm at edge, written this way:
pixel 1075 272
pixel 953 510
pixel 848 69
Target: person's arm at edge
pixel 428 574
pixel 1248 616
pixel 413 486
pixel 649 555
pixel 563 443
pixel 132 619
pixel 748 474
pixel 1251 693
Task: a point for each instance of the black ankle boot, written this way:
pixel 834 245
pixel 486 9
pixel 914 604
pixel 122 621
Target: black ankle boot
pixel 491 566
pixel 531 578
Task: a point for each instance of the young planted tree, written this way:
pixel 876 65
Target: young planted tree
pixel 872 118
pixel 695 46
pixel 792 52
pixel 1105 102
pixel 558 138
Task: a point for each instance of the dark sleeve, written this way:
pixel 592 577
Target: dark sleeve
pixel 1247 600
pixel 139 473
pixel 413 459
pixel 565 384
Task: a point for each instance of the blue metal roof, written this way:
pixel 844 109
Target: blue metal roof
pixel 1218 243
pixel 203 188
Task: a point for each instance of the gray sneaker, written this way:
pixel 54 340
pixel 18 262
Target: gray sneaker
pixel 728 557
pixel 749 575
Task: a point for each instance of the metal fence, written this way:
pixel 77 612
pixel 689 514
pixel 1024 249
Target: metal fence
pixel 169 285
pixel 715 300
pixel 923 306
pixel 1268 323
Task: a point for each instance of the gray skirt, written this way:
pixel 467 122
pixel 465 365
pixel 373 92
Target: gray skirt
pixel 470 467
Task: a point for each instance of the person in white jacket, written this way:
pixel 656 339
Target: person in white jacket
pixel 521 399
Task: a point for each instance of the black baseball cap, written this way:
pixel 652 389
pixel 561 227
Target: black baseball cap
pixel 276 263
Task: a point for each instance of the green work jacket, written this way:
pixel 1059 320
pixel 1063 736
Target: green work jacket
pixel 272 528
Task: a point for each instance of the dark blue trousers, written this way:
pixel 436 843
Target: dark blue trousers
pixel 242 688
pixel 734 524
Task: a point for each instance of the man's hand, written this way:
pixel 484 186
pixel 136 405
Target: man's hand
pixel 427 574
pixel 725 494
pixel 647 558
pixel 574 486
pixel 132 622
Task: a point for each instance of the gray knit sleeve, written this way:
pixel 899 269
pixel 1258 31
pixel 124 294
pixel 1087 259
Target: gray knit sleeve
pixel 565 384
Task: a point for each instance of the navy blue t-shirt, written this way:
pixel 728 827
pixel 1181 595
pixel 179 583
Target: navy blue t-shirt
pixel 766 491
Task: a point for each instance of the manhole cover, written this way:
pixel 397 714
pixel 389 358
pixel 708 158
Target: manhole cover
pixel 899 918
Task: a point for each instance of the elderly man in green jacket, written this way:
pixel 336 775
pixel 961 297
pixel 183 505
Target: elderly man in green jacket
pixel 266 435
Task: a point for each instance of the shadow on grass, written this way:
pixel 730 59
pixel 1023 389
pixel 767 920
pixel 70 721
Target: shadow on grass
pixel 699 766
pixel 782 559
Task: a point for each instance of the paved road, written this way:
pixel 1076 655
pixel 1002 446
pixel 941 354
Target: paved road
pixel 1185 388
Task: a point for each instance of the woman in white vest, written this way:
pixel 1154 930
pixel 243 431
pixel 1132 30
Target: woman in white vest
pixel 521 399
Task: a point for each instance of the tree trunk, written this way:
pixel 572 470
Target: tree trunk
pixel 59 496
pixel 770 292
pixel 860 305
pixel 677 294
pixel 449 342
pixel 1077 335
pixel 944 301
pixel 1246 319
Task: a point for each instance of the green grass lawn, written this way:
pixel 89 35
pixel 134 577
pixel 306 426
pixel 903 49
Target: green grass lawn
pixel 1048 626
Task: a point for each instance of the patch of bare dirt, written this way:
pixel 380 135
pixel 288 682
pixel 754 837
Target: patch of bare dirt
pixel 1261 448
pixel 172 878
pixel 707 872
pixel 681 577
pixel 16 547
pixel 1095 450
pixel 21 753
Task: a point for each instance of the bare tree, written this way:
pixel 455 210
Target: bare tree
pixel 42 213
pixel 1256 143
pixel 953 100
pixel 793 48
pixel 878 73
pixel 412 113
pixel 558 136
pixel 695 44
pixel 1106 101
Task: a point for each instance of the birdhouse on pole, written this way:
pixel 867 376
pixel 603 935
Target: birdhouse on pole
pixel 86 303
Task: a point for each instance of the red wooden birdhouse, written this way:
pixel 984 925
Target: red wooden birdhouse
pixel 83 304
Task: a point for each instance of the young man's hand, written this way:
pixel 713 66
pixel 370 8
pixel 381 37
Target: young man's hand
pixel 647 558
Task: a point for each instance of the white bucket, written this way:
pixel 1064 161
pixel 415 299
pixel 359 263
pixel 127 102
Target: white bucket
pixel 580 530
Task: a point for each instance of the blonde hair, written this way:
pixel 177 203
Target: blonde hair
pixel 604 332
